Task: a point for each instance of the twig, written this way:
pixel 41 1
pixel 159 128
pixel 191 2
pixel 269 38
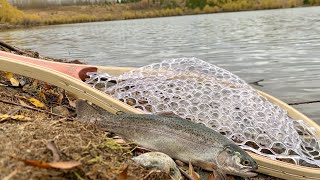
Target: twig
pixel 29 107
pixel 55 153
pixel 10 47
pixel 11 113
pixel 192 173
pixel 14 111
pixel 13 173
pixel 257 82
pixel 185 174
pixel 305 102
pixel 149 174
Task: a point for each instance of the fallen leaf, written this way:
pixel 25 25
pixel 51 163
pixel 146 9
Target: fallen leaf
pixel 35 83
pixel 64 165
pixel 60 98
pixel 20 117
pixel 56 165
pixel 4 115
pixel 36 102
pixel 192 173
pixel 47 86
pixel 12 80
pixel 211 177
pixel 14 117
pixel 42 95
pixel 123 175
pixel 23 103
pixel 35 163
pixel 8 75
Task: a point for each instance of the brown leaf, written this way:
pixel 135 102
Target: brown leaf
pixel 35 83
pixel 23 103
pixel 46 165
pixel 64 165
pixel 47 86
pixel 211 177
pixel 123 175
pixel 192 173
pixel 60 98
pixel 42 95
pixel 35 163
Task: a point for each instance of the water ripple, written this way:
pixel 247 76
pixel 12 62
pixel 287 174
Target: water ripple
pixel 280 46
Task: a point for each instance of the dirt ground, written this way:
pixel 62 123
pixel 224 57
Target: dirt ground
pixel 25 142
pixel 26 139
pixel 100 156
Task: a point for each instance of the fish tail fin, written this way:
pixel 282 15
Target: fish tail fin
pixel 86 112
pixel 83 109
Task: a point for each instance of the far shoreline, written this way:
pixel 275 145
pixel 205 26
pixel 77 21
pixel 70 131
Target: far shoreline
pixel 8 27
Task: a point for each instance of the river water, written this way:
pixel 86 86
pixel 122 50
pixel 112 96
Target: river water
pixel 280 46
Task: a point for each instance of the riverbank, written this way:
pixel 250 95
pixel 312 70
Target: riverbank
pixel 33 135
pixel 30 138
pixel 14 18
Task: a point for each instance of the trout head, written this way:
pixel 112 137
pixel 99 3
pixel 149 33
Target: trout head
pixel 235 161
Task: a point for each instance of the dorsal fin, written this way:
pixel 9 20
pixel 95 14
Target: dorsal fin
pixel 167 114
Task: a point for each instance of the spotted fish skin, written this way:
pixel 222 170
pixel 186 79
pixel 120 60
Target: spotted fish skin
pixel 174 136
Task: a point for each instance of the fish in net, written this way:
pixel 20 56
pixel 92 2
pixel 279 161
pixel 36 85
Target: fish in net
pixel 204 93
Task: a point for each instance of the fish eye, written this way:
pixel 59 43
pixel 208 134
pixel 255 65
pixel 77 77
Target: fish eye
pixel 245 163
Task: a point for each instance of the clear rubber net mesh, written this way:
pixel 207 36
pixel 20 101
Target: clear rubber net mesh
pixel 204 93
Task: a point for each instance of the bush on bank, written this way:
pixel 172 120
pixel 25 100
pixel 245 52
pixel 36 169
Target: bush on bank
pixel 141 9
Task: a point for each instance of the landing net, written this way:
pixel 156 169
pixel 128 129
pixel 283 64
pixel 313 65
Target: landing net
pixel 204 93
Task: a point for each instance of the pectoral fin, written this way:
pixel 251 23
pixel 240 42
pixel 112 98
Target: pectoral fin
pixel 205 165
pixel 220 175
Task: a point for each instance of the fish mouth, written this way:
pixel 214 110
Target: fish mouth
pixel 248 172
pixel 244 173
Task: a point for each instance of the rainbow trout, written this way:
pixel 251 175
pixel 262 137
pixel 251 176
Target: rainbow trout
pixel 179 138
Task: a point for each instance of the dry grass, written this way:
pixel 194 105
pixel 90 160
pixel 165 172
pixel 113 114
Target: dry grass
pixel 76 14
pixel 101 156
